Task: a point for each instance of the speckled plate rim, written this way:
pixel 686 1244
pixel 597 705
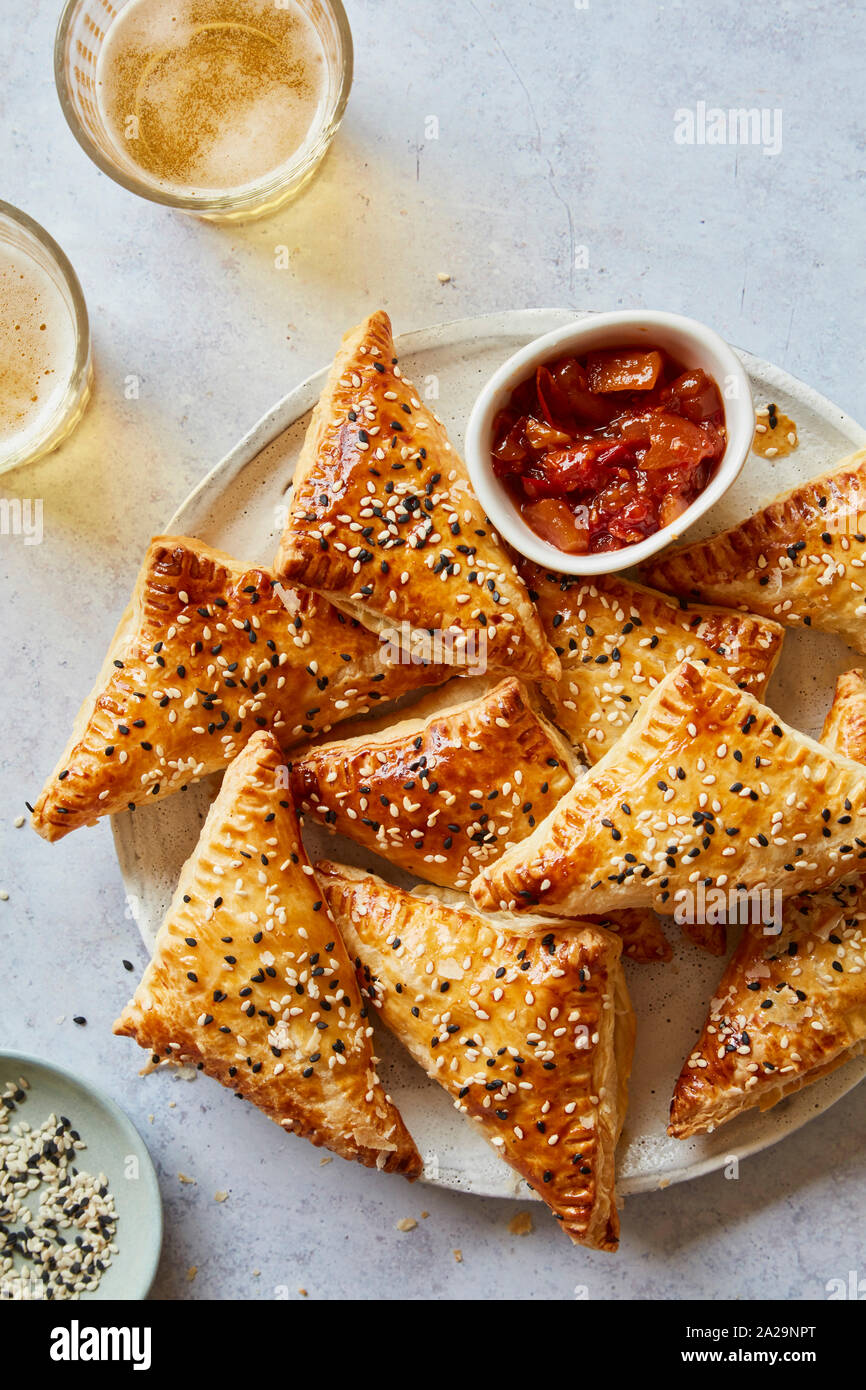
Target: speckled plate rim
pixel 803 1105
pixel 791 1114
pixel 143 1263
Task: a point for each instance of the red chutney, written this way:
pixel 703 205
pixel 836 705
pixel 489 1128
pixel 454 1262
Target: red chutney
pixel 601 451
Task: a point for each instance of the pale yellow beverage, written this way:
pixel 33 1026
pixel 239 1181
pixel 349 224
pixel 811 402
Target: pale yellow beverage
pixel 210 96
pixel 38 345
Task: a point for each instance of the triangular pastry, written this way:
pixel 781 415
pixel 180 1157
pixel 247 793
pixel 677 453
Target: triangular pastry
pixel 444 793
pixel 616 640
pixel 802 560
pixel 251 981
pixel 443 796
pixel 845 725
pixel 208 651
pixel 385 523
pixel 706 787
pixel 844 732
pixel 788 1010
pixel 531 1037
pixel 789 1007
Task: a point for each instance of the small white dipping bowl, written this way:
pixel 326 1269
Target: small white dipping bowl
pixel 688 341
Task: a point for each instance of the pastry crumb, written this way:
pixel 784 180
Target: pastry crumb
pixel 303 1293
pixel 324 1161
pixel 521 1224
pixel 4 896
pixel 424 1215
pixel 443 277
pixel 458 1257
pixel 407 1223
pixel 191 1273
pixel 19 821
pixel 775 433
pixel 221 1196
pixel 184 1178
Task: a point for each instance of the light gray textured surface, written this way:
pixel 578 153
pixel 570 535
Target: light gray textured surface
pixel 555 133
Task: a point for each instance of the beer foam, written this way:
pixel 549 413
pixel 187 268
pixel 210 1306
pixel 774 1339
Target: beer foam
pixel 210 96
pixel 37 348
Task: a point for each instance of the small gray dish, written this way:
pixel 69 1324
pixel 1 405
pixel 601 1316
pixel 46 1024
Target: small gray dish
pixel 114 1147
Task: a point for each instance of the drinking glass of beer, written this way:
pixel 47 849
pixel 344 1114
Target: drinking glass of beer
pixel 223 108
pixel 45 369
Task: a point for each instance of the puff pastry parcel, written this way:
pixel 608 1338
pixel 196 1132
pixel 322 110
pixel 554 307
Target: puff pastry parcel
pixel 802 560
pixel 251 981
pixel 532 1037
pixel 706 787
pixel 385 523
pixel 208 651
pixel 443 795
pixel 616 640
pixel 790 1007
pixel 845 725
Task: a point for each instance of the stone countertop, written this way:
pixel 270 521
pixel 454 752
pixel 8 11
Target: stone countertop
pixel 554 178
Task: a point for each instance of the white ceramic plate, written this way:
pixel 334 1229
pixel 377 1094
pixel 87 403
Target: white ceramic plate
pixel 112 1142
pixel 240 507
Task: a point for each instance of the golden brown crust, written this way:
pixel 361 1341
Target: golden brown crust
pixel 616 640
pixel 639 930
pixel 706 786
pixel 709 936
pixel 208 651
pixel 845 725
pixel 385 523
pixel 443 795
pixel 790 1007
pixel 553 1015
pixel 250 978
pixel 800 560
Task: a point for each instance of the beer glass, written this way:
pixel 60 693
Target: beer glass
pixel 81 37
pixel 45 364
